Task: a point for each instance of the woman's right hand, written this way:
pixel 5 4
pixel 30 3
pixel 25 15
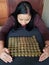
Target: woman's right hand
pixel 4 55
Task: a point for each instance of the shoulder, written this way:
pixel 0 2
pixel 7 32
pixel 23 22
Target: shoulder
pixel 10 20
pixel 9 23
pixel 37 16
pixel 38 19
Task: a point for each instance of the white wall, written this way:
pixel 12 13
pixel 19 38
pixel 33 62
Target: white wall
pixel 45 14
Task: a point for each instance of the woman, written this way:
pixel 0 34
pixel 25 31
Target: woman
pixel 23 16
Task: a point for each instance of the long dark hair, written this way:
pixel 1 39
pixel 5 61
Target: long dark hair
pixel 22 8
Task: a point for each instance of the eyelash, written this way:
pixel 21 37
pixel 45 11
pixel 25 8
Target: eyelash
pixel 22 19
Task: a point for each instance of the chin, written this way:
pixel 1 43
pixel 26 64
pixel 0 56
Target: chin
pixel 24 25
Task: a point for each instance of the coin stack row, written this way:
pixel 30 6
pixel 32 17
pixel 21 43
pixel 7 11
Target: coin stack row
pixel 24 46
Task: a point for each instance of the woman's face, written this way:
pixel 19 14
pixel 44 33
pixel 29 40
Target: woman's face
pixel 23 19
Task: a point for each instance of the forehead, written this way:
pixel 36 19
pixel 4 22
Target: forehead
pixel 23 16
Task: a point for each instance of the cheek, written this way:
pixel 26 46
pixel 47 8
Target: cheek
pixel 19 21
pixel 28 21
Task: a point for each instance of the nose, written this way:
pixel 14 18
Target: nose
pixel 23 23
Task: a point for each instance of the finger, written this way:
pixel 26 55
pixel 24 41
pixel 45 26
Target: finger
pixel 6 50
pixel 3 59
pixel 44 50
pixel 46 45
pixel 43 57
pixel 8 58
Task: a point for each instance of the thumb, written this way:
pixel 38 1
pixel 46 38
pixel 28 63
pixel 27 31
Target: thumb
pixel 44 50
pixel 6 50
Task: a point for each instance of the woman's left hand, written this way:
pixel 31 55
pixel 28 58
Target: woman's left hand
pixel 45 54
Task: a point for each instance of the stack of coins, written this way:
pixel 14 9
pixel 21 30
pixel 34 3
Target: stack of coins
pixel 24 46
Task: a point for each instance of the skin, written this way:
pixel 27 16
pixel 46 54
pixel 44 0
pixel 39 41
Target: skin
pixel 45 53
pixel 23 19
pixel 4 53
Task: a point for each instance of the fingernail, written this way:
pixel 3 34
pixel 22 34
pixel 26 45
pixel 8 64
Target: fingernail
pixel 39 59
pixel 11 60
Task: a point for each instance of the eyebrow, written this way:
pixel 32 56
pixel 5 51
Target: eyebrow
pixel 22 18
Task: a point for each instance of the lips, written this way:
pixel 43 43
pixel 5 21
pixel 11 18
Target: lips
pixel 23 25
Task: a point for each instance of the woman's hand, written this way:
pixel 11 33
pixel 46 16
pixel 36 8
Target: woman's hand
pixel 1 44
pixel 4 55
pixel 45 54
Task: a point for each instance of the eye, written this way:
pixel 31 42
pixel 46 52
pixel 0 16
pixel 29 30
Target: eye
pixel 21 19
pixel 27 19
